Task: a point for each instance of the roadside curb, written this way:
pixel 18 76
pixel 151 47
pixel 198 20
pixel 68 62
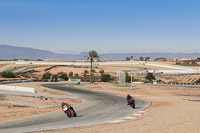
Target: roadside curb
pixel 134 116
pixel 139 113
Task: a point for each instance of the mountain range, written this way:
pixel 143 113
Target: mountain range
pixel 8 52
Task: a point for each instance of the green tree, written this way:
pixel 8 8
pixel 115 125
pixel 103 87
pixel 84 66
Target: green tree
pixel 46 75
pixel 150 77
pixel 62 75
pixel 128 59
pixel 93 71
pixel 71 74
pixel 92 55
pixel 55 77
pixel 105 77
pixel 101 71
pixel 131 57
pixel 127 77
pixel 85 73
pixel 147 58
pixel 141 58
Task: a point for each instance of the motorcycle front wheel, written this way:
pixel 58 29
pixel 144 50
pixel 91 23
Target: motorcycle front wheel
pixel 69 115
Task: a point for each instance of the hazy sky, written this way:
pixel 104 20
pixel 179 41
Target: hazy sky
pixel 73 26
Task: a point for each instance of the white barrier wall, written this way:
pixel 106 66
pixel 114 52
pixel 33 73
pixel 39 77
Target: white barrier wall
pixel 17 88
pixel 174 71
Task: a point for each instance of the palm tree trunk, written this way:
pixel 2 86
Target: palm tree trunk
pixel 90 71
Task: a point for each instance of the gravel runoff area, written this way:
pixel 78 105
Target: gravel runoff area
pixel 173 109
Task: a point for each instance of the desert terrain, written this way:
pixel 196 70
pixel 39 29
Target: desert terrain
pixel 173 108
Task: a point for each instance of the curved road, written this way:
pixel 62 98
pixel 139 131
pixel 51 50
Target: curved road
pixel 16 69
pixel 96 108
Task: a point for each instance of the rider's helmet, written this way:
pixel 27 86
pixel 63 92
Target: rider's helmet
pixel 128 96
pixel 63 103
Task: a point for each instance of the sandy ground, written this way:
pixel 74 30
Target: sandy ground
pixel 6 66
pixel 15 107
pixel 107 68
pixel 173 110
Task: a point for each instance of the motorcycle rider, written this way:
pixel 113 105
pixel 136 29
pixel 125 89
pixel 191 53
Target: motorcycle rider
pixel 130 98
pixel 68 106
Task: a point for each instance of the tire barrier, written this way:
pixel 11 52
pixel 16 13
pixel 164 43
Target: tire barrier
pixel 15 81
pixel 44 80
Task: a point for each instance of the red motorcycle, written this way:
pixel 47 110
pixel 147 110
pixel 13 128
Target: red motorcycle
pixel 69 111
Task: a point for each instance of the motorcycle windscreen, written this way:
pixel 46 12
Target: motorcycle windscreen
pixel 65 108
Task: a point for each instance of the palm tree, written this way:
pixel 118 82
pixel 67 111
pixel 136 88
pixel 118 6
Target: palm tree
pixel 92 55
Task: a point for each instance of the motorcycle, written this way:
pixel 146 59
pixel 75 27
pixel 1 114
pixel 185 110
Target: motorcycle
pixel 69 112
pixel 131 102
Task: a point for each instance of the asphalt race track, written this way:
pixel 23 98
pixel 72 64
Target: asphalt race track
pixel 96 108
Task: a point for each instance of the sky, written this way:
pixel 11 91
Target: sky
pixel 107 26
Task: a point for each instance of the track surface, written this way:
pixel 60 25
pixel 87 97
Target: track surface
pixel 96 108
pixel 17 69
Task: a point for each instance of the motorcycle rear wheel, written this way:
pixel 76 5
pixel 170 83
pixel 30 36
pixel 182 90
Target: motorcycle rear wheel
pixel 133 105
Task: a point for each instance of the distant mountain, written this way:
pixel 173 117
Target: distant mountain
pixel 11 52
pixel 8 52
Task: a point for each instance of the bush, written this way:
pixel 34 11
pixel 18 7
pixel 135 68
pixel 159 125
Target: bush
pixel 198 80
pixel 101 71
pixel 150 77
pixel 55 77
pixel 46 75
pixel 93 71
pixel 76 75
pixel 8 75
pixel 71 74
pixel 105 77
pixel 85 73
pixel 63 75
pixel 159 80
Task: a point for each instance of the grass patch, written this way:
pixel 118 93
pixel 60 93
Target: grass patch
pixel 75 85
pixel 118 85
pixel 57 106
